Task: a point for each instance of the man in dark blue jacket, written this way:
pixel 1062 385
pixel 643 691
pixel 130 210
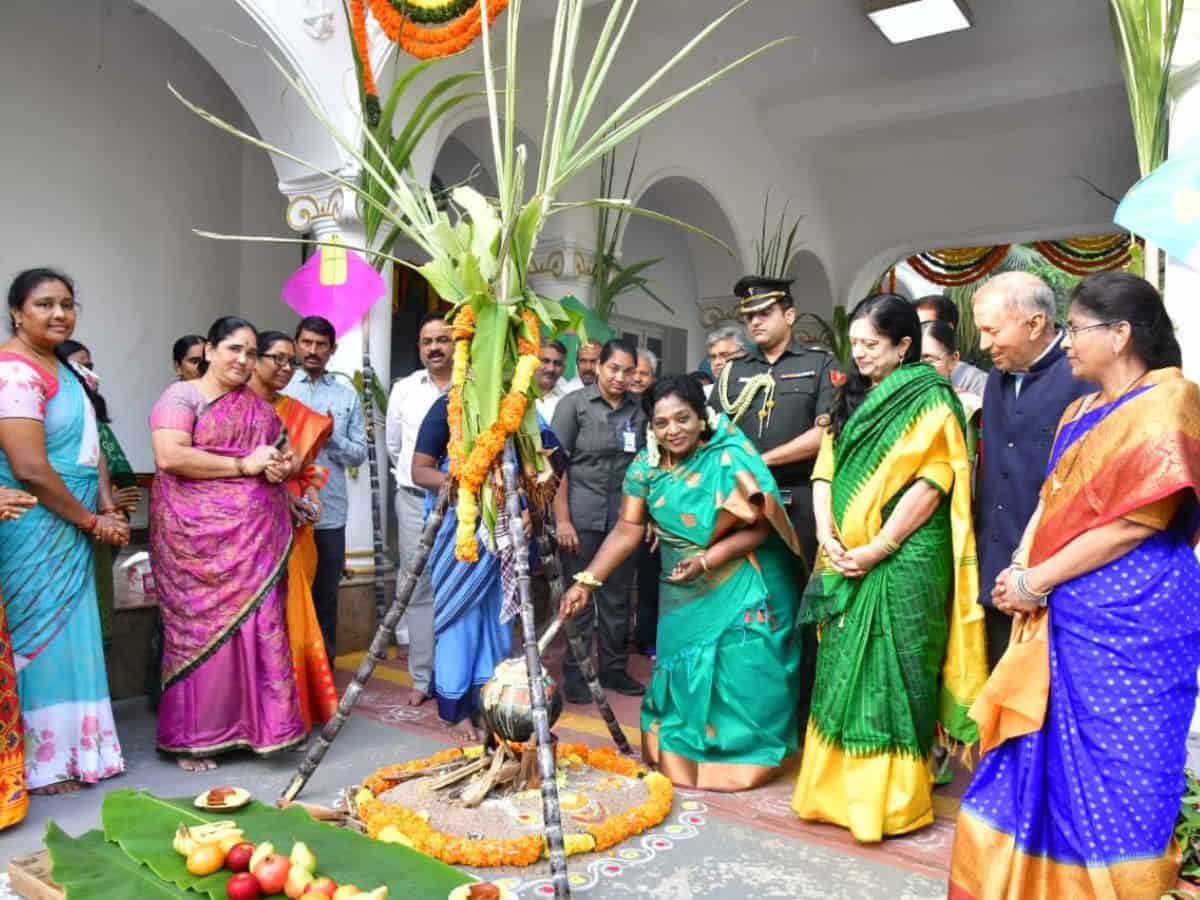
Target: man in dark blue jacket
pixel 1028 389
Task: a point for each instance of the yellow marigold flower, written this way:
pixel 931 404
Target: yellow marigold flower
pixel 523 374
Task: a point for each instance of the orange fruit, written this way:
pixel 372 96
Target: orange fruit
pixel 205 859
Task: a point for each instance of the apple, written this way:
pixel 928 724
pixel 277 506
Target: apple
pixel 298 880
pixel 345 891
pixel 239 856
pixel 314 895
pixel 272 872
pixel 261 852
pixel 323 885
pixel 242 886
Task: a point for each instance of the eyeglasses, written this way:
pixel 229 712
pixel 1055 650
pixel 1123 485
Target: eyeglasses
pixel 282 360
pixel 1073 330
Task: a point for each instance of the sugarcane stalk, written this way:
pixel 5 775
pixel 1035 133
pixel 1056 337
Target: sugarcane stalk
pixel 551 811
pixel 368 401
pixel 552 565
pixel 378 650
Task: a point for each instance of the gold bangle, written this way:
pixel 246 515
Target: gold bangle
pixel 703 562
pixel 587 579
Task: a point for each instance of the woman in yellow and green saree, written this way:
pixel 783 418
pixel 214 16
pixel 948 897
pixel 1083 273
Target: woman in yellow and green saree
pixel 901 636
pixel 720 710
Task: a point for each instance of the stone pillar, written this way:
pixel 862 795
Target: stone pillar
pixel 328 209
pixel 562 266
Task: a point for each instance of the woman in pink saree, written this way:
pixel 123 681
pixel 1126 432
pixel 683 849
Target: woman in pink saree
pixel 220 534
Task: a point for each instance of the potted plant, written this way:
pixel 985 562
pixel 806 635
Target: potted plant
pixel 1187 834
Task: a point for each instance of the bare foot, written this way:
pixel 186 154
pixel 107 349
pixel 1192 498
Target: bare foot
pixel 191 764
pixel 59 787
pixel 415 697
pixel 464 731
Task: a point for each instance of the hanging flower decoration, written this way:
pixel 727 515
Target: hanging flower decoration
pixel 958 266
pixel 433 28
pixel 391 822
pixel 1089 255
pixel 470 469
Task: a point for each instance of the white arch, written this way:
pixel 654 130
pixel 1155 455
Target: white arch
pixel 869 271
pixel 811 289
pixel 733 237
pixel 235 40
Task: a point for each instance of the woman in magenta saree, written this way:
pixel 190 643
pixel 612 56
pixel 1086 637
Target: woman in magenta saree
pixel 1085 719
pixel 220 534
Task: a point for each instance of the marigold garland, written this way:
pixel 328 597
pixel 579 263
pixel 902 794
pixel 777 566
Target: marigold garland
pixel 358 29
pixel 417 29
pixel 413 829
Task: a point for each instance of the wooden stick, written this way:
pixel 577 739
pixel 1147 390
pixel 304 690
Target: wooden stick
pixel 377 652
pixel 320 813
pixel 578 647
pixel 459 774
pixel 551 811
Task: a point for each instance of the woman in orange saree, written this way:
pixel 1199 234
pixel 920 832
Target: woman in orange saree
pixel 307 431
pixel 14 799
pixel 1084 722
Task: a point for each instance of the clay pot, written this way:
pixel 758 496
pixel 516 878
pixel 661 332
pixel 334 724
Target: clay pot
pixel 506 706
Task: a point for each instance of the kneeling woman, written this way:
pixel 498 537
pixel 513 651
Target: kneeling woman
pixel 720 710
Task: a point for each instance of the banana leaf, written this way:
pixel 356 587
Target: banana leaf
pixel 89 866
pixel 144 826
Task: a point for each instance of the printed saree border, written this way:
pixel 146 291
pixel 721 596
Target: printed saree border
pixel 251 606
pixel 710 776
pixel 987 865
pixel 239 743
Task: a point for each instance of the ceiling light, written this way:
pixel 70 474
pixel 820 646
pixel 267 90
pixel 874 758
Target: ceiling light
pixel 909 20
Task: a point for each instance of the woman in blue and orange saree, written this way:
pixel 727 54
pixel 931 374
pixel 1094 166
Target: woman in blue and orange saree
pixel 894 593
pixel 1084 721
pixel 220 536
pixel 51 448
pixel 720 710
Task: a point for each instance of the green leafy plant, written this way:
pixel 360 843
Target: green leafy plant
pixel 609 278
pixel 834 332
pixel 1145 32
pixel 1187 834
pixel 481 257
pixel 774 254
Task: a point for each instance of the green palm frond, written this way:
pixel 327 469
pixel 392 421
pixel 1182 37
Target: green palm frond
pixel 773 251
pixel 1145 32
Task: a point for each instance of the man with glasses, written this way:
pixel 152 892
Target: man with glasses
pixel 1028 389
pixel 408 405
pixel 318 389
pixel 724 343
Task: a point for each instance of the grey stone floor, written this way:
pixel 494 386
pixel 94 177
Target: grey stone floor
pixel 717 858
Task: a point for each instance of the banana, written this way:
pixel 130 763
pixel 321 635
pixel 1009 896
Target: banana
pixel 225 834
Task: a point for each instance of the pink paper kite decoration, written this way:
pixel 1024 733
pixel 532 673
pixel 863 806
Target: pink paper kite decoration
pixel 335 283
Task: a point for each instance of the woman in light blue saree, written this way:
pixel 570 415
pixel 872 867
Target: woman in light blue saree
pixel 49 446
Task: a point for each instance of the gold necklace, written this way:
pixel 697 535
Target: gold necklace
pixel 1055 482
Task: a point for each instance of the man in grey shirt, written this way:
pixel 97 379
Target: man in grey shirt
pixel 965 376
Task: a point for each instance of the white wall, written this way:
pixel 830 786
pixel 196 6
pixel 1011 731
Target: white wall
pixel 108 174
pixel 1000 174
pixel 673 279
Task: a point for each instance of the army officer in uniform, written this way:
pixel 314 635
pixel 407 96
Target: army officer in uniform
pixel 776 392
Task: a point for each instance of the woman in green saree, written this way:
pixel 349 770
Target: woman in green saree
pixel 895 585
pixel 720 710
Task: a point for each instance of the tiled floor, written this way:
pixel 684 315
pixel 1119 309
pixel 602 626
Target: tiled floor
pixel 723 846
